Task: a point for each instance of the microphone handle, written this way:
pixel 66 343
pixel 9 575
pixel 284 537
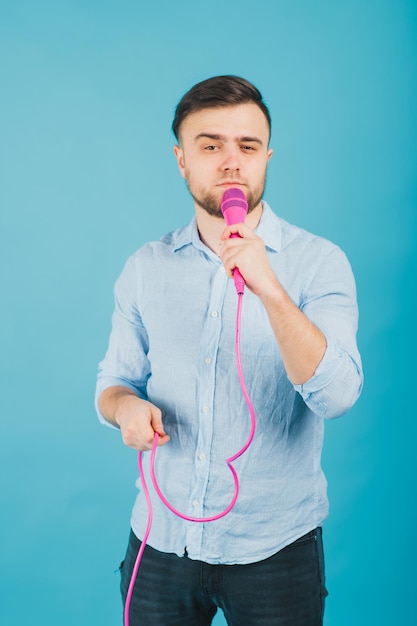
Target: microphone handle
pixel 237 276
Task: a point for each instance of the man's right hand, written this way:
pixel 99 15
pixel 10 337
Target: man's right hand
pixel 137 419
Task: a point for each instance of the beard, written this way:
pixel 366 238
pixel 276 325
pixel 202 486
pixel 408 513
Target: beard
pixel 212 204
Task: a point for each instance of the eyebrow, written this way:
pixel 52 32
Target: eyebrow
pixel 217 137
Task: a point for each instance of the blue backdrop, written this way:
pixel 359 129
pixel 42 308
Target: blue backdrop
pixel 87 175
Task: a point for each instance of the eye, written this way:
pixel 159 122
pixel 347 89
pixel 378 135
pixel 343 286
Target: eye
pixel 210 148
pixel 247 148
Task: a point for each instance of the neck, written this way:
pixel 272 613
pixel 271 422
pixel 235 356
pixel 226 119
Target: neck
pixel 210 227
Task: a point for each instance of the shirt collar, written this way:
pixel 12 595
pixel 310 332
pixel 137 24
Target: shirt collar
pixel 269 229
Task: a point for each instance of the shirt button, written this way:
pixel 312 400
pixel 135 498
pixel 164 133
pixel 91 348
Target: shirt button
pixel 202 457
pixel 222 269
pixel 214 314
pixel 207 360
pixel 205 409
pixel 196 502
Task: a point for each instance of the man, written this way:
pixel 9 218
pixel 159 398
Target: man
pixel 170 369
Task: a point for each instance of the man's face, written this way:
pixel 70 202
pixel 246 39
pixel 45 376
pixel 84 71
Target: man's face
pixel 222 148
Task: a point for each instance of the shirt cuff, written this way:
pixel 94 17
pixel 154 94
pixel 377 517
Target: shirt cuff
pixel 323 374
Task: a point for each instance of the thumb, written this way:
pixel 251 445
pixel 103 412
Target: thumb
pixel 156 422
pixel 233 229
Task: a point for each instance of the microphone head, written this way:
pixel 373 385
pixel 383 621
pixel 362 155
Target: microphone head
pixel 234 206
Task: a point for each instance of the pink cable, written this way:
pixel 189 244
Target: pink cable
pixel 229 462
pixel 142 547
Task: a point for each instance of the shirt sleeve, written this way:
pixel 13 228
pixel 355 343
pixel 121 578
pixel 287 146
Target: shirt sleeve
pixel 126 362
pixel 329 301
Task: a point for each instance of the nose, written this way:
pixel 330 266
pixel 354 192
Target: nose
pixel 231 160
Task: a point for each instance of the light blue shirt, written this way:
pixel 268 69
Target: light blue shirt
pixel 173 343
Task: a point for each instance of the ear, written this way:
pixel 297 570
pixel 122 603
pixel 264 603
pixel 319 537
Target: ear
pixel 270 151
pixel 179 155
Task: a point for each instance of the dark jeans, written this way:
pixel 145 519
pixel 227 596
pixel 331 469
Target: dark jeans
pixel 286 589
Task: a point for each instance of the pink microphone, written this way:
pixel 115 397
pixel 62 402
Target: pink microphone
pixel 234 208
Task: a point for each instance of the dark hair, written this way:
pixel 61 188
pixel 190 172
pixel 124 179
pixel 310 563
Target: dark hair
pixel 218 91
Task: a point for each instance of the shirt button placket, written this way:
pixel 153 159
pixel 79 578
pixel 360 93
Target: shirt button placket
pixel 210 334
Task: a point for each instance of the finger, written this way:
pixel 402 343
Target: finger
pixel 158 427
pixel 231 254
pixel 163 440
pixel 139 439
pixel 156 421
pixel 235 229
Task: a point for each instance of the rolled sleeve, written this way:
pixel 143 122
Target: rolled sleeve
pixel 335 385
pixel 126 362
pixel 330 303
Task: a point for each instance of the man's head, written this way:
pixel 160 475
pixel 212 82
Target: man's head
pixel 223 129
pixel 218 91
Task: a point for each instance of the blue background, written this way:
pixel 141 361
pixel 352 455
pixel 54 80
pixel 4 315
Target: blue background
pixel 87 175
